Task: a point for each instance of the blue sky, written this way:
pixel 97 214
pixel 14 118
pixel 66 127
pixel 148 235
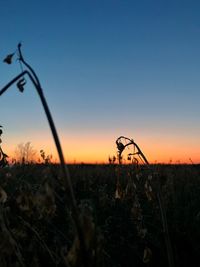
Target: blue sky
pixel 108 68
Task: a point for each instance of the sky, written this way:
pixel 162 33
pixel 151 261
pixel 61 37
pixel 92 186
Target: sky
pixel 107 68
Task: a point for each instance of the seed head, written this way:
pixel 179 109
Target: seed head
pixel 8 58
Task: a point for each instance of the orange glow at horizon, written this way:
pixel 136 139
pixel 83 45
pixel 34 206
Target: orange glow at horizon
pixel 97 149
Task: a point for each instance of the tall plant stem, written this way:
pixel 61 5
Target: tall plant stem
pixel 159 197
pixel 68 184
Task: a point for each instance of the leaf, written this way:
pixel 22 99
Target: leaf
pixel 20 84
pixel 8 58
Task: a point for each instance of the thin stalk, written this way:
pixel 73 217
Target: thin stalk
pixel 160 201
pixel 33 77
pixel 12 82
pixel 28 66
pixel 131 142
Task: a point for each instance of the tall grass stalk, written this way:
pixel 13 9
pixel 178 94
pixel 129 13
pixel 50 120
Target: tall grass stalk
pixel 68 184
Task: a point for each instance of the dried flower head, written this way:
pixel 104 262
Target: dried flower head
pixel 120 147
pixel 8 58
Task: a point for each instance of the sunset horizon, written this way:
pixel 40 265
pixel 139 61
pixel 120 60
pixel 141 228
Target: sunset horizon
pixel 106 70
pixel 99 133
pixel 95 152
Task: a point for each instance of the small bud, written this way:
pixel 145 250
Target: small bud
pixel 20 84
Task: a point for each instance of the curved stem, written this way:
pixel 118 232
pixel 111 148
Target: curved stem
pixel 161 205
pixel 52 126
pixel 65 171
pixel 56 139
pixel 33 77
pixel 12 82
pixel 28 66
pixel 131 142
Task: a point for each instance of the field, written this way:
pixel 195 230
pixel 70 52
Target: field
pixel 131 216
pixel 114 215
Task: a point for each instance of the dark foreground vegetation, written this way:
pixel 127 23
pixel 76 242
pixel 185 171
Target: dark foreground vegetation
pixel 119 210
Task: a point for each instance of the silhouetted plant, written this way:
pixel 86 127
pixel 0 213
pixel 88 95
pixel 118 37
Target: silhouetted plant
pixel 20 80
pixel 131 190
pixel 25 153
pixel 122 142
pixel 46 158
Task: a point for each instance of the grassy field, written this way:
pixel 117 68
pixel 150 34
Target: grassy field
pixel 119 209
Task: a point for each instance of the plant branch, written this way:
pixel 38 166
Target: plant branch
pixel 12 82
pixel 131 142
pixel 35 80
pixel 121 148
pixel 21 58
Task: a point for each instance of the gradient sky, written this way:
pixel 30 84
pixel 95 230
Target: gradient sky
pixel 108 68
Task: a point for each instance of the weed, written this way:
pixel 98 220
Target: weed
pixel 21 81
